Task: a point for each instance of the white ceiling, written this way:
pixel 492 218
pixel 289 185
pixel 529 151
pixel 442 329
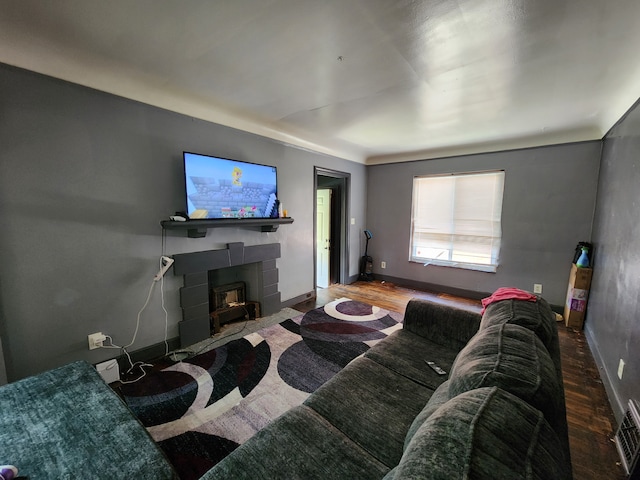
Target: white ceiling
pixel 372 81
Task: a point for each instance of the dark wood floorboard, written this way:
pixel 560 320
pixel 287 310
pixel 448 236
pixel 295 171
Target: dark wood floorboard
pixel 589 415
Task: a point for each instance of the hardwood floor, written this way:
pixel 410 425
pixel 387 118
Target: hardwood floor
pixel 589 415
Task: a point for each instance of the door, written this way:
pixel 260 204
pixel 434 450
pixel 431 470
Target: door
pixel 323 236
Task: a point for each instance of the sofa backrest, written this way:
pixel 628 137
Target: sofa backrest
pixel 515 351
pixel 536 316
pixel 485 433
pixel 514 359
pixel 442 324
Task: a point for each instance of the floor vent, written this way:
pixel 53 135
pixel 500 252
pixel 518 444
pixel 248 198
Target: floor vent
pixel 628 440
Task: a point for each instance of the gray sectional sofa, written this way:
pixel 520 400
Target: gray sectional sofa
pixel 499 413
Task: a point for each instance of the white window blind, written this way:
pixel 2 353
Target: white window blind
pixel 456 220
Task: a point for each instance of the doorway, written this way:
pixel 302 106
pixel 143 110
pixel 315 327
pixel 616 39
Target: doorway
pixel 331 249
pixel 323 236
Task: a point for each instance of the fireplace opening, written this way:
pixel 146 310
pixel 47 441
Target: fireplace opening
pixel 227 303
pixel 225 296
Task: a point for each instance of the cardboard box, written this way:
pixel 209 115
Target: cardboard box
pixel 577 296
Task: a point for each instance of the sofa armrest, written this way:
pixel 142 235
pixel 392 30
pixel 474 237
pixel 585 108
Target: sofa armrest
pixel 68 423
pixel 445 325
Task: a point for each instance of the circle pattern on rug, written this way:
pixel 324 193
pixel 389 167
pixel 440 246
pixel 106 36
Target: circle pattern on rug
pixel 168 395
pixel 331 338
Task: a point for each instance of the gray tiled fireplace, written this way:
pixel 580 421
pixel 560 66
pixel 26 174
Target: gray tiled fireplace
pixel 255 265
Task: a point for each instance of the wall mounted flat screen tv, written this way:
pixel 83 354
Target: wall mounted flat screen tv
pixel 223 188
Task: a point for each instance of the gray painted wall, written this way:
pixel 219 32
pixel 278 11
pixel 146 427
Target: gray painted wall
pixel 85 179
pixel 612 323
pixel 549 199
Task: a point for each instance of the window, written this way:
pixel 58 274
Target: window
pixel 455 220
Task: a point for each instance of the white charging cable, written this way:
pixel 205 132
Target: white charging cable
pixel 165 263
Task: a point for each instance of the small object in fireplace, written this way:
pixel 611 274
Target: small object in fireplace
pixel 225 296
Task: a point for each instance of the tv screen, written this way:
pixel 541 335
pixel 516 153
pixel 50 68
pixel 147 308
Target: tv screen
pixel 222 188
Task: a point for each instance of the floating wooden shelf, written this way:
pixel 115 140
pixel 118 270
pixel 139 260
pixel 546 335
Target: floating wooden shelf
pixel 198 228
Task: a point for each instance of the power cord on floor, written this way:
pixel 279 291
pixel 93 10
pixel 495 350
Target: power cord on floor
pixel 220 339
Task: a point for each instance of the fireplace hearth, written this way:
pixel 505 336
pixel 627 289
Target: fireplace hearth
pixel 205 271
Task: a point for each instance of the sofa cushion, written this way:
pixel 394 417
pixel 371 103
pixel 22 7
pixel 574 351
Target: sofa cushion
pixel 405 353
pixel 300 444
pixel 371 405
pixel 461 438
pixel 536 316
pixel 514 359
pixel 439 398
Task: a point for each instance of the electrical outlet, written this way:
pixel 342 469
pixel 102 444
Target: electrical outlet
pixel 620 369
pixel 537 288
pixel 96 340
pixel 353 221
pixel 383 264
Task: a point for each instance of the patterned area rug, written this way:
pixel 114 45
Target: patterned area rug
pixel 201 409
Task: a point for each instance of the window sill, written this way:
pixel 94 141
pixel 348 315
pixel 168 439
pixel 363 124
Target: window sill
pixel 451 264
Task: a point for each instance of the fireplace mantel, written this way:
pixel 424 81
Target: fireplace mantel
pixel 198 228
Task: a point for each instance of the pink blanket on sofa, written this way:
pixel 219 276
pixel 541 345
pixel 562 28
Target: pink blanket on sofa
pixel 507 293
